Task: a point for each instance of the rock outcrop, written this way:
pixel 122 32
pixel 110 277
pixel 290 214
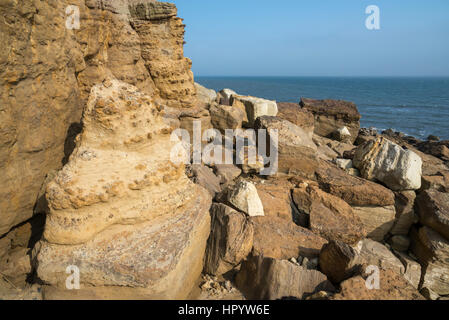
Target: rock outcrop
pixel 256 107
pixel 48 70
pixel 332 115
pixel 138 224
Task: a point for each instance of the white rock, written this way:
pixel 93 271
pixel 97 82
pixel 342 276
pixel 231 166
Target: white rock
pixel 245 198
pixel 227 93
pixel 344 163
pixel 387 162
pixel 344 131
pixel 257 107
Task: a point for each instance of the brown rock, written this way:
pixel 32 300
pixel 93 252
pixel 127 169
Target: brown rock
pixel 432 251
pixel 412 269
pixel 275 197
pixel 405 212
pixel 280 239
pixel 230 241
pixel 120 210
pixel 227 172
pixel 392 287
pixel 297 154
pixel 270 279
pixel 331 115
pixel 355 191
pixel 295 114
pixel 439 182
pixel 226 117
pixel 338 261
pixel 377 221
pixel 205 177
pixel 433 209
pixel 330 217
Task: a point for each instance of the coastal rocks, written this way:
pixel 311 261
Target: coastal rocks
pixel 385 161
pixel 338 261
pixel 226 117
pixel 230 241
pixel 244 197
pixel 378 221
pixel 205 177
pixel 297 154
pixel 227 172
pixel 405 213
pixel 295 114
pixel 331 115
pixel 412 269
pixel 276 199
pixel 342 135
pixel 281 239
pixel 392 286
pixel 264 278
pixel 256 107
pixel 329 216
pixel 375 253
pixel 433 209
pixel 224 96
pixel 138 226
pixel 432 251
pixel 205 95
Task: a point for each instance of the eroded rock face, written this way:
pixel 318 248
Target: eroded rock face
pixel 256 107
pixel 433 210
pixel 331 115
pixel 385 161
pixel 297 154
pixel 139 222
pixel 47 73
pixel 271 279
pixel 230 241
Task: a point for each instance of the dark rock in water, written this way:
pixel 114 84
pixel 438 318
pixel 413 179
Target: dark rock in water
pixel 331 115
pixel 433 138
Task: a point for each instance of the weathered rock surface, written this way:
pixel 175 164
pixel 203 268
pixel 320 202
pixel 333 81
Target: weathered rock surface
pixel 433 209
pixel 338 261
pixel 432 251
pixel 138 225
pixel 276 198
pixel 412 269
pixel 378 221
pixel 329 216
pixel 281 239
pixel 331 115
pixel 227 172
pixel 296 152
pixel 244 197
pixel 226 117
pixel 256 107
pixel 375 253
pixel 295 114
pixel 385 161
pixel 405 212
pixel 271 279
pixel 205 95
pixel 47 73
pixel 230 241
pixel 392 286
pixel 205 177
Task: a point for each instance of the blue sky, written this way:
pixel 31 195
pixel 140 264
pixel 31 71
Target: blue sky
pixel 316 38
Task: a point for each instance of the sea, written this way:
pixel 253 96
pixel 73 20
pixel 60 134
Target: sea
pixel 415 106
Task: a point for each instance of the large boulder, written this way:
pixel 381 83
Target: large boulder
pixel 332 115
pixel 296 152
pixel 432 251
pixel 392 286
pixel 275 195
pixel 243 196
pixel 295 114
pixel 205 95
pixel 230 240
pixel 270 279
pixel 387 162
pixel 120 210
pixel 405 212
pixel 339 261
pixel 226 117
pixel 281 239
pixel 256 107
pixel 433 209
pixel 374 253
pixel 329 216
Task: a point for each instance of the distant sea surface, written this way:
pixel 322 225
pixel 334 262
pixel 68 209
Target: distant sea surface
pixel 415 106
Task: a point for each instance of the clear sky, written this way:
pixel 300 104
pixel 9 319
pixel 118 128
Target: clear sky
pixel 316 37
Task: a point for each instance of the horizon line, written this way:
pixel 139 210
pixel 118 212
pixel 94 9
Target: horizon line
pixel 321 76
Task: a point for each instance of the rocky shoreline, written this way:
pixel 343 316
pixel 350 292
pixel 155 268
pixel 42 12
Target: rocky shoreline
pixel 349 214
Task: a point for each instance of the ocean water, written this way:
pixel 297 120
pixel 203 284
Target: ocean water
pixel 415 106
